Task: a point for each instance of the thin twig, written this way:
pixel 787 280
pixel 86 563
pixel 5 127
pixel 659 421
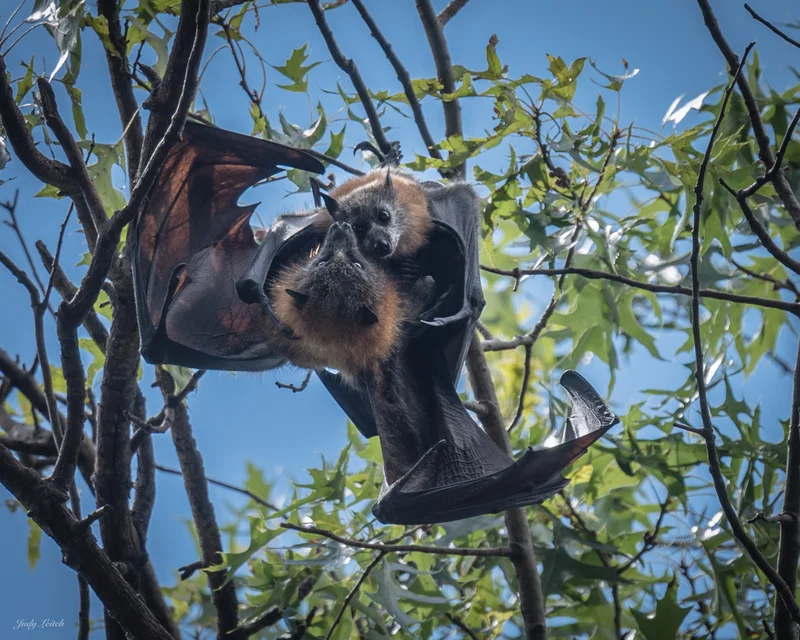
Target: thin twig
pixel 758 229
pixel 781 518
pixel 771 26
pixel 296 388
pixel 224 485
pixel 352 594
pixel 778 284
pixel 488 552
pixel 459 622
pixel 55 267
pixel 11 207
pixel 526 374
pixel 594 274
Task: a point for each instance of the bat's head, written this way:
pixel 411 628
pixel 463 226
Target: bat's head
pixel 339 280
pixel 377 215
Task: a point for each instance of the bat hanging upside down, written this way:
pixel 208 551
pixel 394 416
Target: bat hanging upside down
pixel 390 302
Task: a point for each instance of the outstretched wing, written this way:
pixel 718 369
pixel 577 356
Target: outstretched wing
pixel 192 242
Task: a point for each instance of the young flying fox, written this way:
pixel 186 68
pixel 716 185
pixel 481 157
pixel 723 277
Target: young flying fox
pixel 388 212
pixel 345 310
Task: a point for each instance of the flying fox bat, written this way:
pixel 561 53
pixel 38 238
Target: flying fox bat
pixel 192 243
pixel 439 465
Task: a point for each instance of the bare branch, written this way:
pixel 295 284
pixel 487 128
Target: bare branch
pixel 11 207
pixel 789 544
pixel 785 592
pixel 758 229
pixel 349 67
pixel 452 8
pixel 528 581
pixel 403 77
pixel 296 388
pixel 117 60
pixel 80 549
pixel 362 578
pixel 444 71
pixel 224 485
pixel 92 323
pixel 771 26
pixel 41 346
pixel 489 552
pixel 74 156
pixel 781 518
pixel 593 274
pixel 460 624
pixel 526 375
pixel 223 592
pixel 48 171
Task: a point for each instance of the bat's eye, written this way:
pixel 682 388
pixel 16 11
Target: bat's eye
pixel 384 215
pixel 358 265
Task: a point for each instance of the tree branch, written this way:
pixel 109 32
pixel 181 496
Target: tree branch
pixel 529 583
pixel 79 547
pixel 772 28
pixel 48 171
pixel 789 545
pixel 782 186
pixel 74 155
pixel 92 323
pixel 497 552
pixel 403 77
pixel 449 12
pixel 444 72
pixel 117 60
pixel 593 274
pixel 224 485
pixel 758 229
pixel 29 388
pixel 223 592
pixel 784 591
pixel 349 67
pixel 362 578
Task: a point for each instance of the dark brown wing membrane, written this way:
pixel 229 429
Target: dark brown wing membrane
pixel 192 242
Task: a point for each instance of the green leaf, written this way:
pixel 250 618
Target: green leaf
pixel 98 359
pixel 667 619
pixel 34 544
pixel 295 69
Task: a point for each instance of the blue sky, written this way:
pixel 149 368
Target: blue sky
pixel 244 417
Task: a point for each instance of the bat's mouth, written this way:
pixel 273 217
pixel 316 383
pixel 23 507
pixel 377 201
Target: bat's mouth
pixel 339 249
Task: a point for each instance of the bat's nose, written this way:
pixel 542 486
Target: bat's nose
pixel 382 248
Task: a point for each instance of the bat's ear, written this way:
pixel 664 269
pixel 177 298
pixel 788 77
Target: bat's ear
pixel 388 184
pixel 331 205
pixel 316 192
pixel 300 299
pixel 368 316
